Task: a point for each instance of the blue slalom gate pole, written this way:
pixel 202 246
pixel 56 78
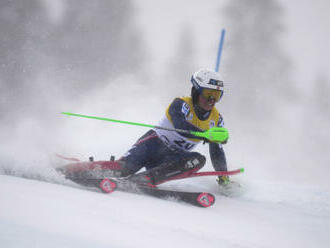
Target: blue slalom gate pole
pixel 222 38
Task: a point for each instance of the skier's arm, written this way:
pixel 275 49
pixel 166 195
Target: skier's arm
pixel 178 111
pixel 218 157
pixel 217 153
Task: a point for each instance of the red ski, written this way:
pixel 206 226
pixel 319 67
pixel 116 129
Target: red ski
pixel 199 199
pixel 114 165
pixel 76 170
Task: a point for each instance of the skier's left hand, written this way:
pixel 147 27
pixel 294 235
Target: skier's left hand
pixel 218 135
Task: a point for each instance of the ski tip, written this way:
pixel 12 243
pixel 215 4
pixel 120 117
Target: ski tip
pixel 205 199
pixel 242 170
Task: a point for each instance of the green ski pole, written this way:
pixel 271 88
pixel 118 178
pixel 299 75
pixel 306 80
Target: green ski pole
pixel 216 134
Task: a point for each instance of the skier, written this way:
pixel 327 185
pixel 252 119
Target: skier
pixel 167 154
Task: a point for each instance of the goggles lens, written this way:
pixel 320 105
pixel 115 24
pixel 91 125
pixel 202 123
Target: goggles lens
pixel 210 94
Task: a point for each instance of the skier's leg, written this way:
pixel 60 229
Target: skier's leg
pixel 173 166
pixel 143 153
pixel 137 157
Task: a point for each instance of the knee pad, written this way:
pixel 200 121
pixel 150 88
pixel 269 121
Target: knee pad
pixel 195 160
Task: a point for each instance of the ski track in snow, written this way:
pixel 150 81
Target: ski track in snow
pixel 41 214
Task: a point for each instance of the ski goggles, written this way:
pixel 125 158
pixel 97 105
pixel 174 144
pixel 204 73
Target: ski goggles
pixel 209 94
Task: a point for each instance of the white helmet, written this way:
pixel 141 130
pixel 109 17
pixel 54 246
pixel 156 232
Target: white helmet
pixel 206 78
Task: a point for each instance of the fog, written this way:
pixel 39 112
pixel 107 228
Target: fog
pixel 129 59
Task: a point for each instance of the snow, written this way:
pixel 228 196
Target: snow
pixel 52 212
pixel 42 214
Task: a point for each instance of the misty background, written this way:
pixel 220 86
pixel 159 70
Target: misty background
pixel 129 59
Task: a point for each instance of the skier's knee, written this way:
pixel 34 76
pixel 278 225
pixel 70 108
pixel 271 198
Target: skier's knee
pixel 196 160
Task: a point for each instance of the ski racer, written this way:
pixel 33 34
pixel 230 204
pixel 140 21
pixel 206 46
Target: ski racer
pixel 168 154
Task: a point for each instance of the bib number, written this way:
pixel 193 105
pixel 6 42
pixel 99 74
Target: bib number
pixel 175 144
pixel 184 144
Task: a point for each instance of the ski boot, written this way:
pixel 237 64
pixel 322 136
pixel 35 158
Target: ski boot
pixel 169 171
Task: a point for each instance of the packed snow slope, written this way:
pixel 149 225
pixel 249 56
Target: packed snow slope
pixel 43 214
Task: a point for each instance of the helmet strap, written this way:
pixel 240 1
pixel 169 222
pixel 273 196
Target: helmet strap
pixel 201 113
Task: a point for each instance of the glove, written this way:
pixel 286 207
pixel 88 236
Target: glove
pixel 215 134
pixel 218 135
pixel 223 180
pixel 225 141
